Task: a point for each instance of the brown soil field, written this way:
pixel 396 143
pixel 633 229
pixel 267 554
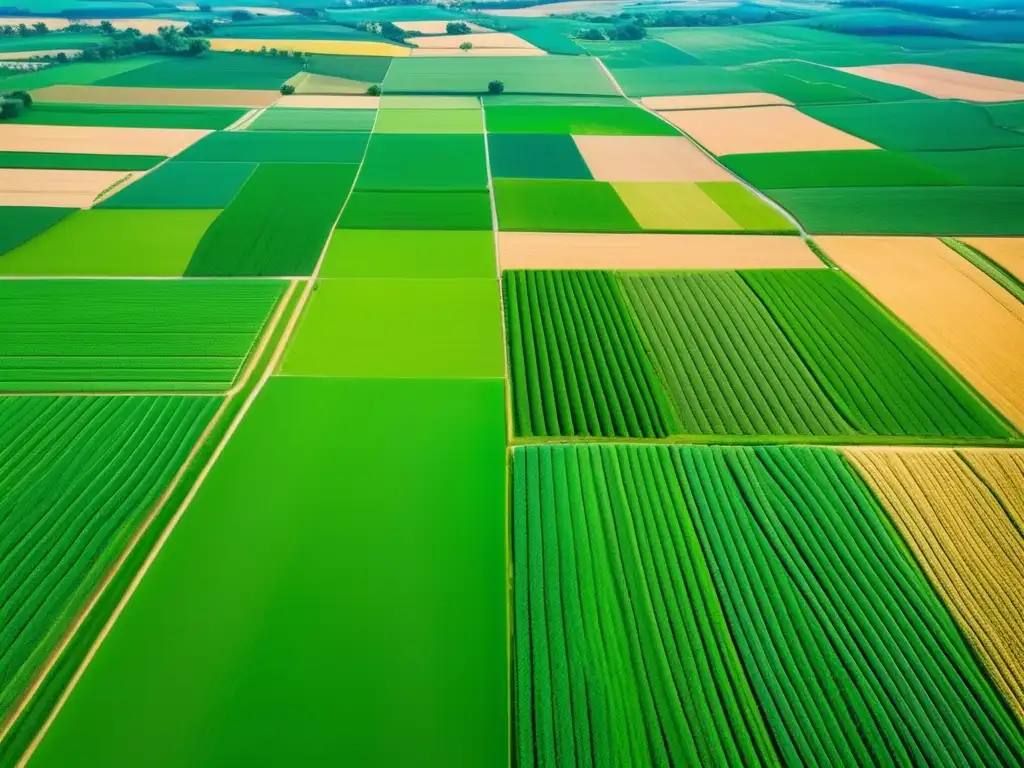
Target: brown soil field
pixel 157 97
pixel 483 40
pixel 329 102
pixel 559 250
pixel 476 52
pixel 434 27
pixel 943 83
pixel 97 141
pixel 962 313
pixel 648 158
pixel 744 130
pixel 24 55
pixel 52 23
pixel 960 526
pixel 55 189
pixel 553 9
pixel 713 101
pixel 1007 252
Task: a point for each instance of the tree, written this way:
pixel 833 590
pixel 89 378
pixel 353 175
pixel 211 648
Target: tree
pixel 241 16
pixel 10 109
pixel 40 28
pixel 23 30
pixel 287 89
pixel 204 8
pixel 197 46
pixel 495 87
pixel 466 46
pixel 373 90
pixel 107 28
pixel 23 96
pixel 62 58
pixel 456 28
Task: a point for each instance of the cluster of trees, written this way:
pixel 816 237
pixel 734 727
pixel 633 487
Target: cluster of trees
pixel 456 28
pixel 631 25
pixel 24 30
pixel 12 103
pixel 385 29
pixel 631 31
pixel 127 42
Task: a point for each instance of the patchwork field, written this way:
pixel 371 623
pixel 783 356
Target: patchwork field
pixel 145 336
pixel 571 384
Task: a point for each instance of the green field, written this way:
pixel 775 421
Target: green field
pixel 600 121
pixel 956 211
pixel 277 224
pixel 184 185
pixel 129 336
pixel 79 73
pixel 680 80
pixel 421 162
pixel 535 156
pixel 591 525
pixel 727 366
pixel 911 125
pixel 418 120
pixel 126 116
pixel 212 70
pixel 981 167
pixel 746 208
pixel 881 380
pixel 576 362
pixel 525 74
pixel 112 243
pixel 75 162
pixel 409 253
pixel 367 69
pixel 304 119
pixel 278 147
pixel 549 205
pixel 839 168
pixel 89 472
pixel 19 224
pixel 417 210
pixel 409 602
pixel 398 328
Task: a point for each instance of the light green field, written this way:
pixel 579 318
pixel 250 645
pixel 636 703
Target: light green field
pixel 400 328
pixel 430 121
pixel 113 243
pixel 409 253
pixel 672 206
pixel 335 595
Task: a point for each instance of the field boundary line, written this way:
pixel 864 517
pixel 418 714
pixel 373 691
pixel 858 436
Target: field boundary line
pixel 282 343
pixel 246 120
pixel 509 434
pixel 764 198
pixel 54 656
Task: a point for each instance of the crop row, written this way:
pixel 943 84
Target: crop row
pixel 760 352
pixel 728 606
pixel 76 475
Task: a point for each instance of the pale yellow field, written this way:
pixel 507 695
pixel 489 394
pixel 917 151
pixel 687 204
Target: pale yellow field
pixel 336 47
pixel 435 27
pixel 51 22
pixel 962 313
pixel 1007 252
pixel 483 40
pixel 24 55
pixel 55 23
pixel 477 52
pixel 713 101
pixel 329 102
pixel 55 189
pixel 97 141
pixel 648 158
pixel 943 83
pixel 555 9
pixel 745 130
pixel 964 538
pixel 168 97
pixel 326 85
pixel 564 250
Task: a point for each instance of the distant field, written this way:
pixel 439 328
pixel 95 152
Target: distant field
pixel 117 335
pixel 544 74
pixel 278 147
pixel 130 116
pixel 225 70
pixel 358 47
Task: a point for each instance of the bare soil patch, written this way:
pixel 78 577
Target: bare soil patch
pixel 745 130
pixel 648 158
pixel 477 52
pixel 558 250
pixel 943 83
pixel 484 40
pixel 56 189
pixel 314 101
pixel 97 141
